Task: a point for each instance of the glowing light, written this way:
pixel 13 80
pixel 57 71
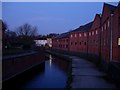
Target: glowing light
pixel 118 41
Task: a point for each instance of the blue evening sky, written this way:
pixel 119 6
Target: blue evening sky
pixel 50 17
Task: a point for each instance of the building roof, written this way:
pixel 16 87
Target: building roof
pixel 63 35
pixel 84 27
pixel 110 7
pixel 119 3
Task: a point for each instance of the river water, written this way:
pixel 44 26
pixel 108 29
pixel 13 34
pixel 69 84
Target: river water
pixel 52 75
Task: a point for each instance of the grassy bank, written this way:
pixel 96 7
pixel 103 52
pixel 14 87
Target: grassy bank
pixel 69 73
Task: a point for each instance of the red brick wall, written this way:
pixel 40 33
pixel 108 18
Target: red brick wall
pixel 116 35
pixel 105 34
pixel 61 43
pixel 94 37
pixel 78 42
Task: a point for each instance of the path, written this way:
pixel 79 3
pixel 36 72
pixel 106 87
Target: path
pixel 86 75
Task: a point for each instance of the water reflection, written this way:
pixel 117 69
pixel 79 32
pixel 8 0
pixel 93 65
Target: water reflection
pixel 50 60
pixel 54 75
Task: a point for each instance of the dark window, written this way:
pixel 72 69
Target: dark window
pixel 80 43
pixel 66 46
pixel 75 43
pixel 71 43
pixel 85 43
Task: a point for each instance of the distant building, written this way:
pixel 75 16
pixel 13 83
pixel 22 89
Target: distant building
pixel 40 41
pixel 61 41
pixel 49 42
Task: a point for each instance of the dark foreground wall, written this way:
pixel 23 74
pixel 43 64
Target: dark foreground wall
pixel 15 65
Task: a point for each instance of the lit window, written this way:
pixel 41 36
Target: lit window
pixel 84 34
pixel 89 33
pixel 71 36
pixel 118 41
pixel 75 35
pixel 96 32
pixel 93 33
pixel 102 29
pixel 80 35
pixel 108 23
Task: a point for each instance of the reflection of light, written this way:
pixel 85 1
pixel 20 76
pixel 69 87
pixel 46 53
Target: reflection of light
pixel 50 62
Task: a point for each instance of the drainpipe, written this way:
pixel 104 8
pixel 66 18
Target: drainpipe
pixel 111 15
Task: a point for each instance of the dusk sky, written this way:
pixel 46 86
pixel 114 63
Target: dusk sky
pixel 50 17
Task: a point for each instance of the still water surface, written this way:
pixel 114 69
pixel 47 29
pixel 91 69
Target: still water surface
pixel 53 75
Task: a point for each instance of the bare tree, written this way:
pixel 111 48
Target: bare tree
pixel 26 30
pixel 26 34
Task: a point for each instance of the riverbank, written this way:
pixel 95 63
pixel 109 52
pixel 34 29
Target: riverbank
pixel 14 65
pixel 91 71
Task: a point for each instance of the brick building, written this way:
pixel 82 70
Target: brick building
pixel 78 38
pixel 94 37
pixel 106 26
pixel 116 35
pixel 61 41
pixel 98 38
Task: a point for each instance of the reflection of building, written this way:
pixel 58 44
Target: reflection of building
pixel 49 42
pixel 41 41
pixel 100 38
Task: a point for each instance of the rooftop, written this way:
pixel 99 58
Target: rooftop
pixel 63 35
pixel 84 27
pixel 111 7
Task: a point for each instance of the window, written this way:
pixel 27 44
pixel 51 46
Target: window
pixel 71 43
pixel 93 33
pixel 71 36
pixel 85 43
pixel 75 43
pixel 75 35
pixel 85 35
pixel 108 23
pixel 80 43
pixel 89 33
pixel 66 46
pixel 79 35
pixel 102 28
pixel 96 32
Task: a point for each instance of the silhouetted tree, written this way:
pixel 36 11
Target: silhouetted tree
pixel 26 30
pixel 4 28
pixel 26 34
